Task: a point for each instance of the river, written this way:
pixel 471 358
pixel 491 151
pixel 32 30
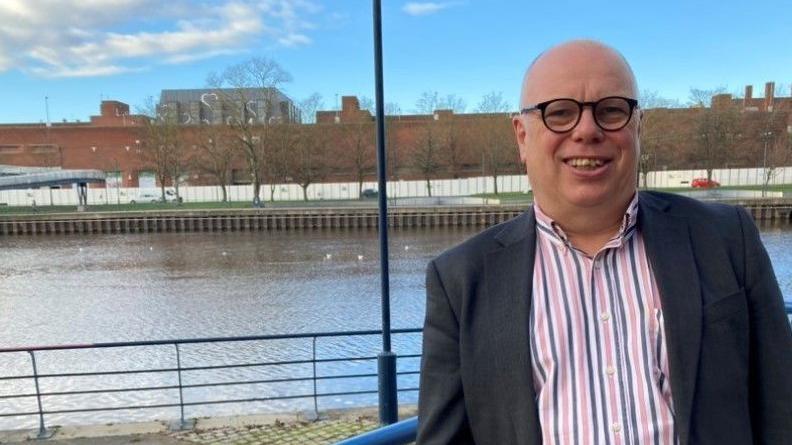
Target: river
pixel 109 288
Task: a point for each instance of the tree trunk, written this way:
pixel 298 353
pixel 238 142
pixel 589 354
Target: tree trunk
pixel 256 190
pixel 176 187
pixel 305 191
pixel 495 181
pixel 360 187
pixel 429 187
pixel 272 193
pixel 225 194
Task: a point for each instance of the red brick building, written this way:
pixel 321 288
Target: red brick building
pixel 441 145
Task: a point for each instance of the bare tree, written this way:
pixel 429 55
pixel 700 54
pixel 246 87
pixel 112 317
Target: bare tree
pixel 426 153
pixel 498 146
pixel 216 147
pixel 649 99
pixel 429 101
pixel 358 138
pixel 660 135
pixel 701 98
pixel 367 103
pixel 717 133
pixel 276 168
pixel 162 144
pixel 307 163
pixel 309 106
pixel 248 90
pixel 776 146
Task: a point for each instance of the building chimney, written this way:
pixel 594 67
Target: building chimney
pixel 350 103
pixel 721 101
pixel 769 96
pixel 748 96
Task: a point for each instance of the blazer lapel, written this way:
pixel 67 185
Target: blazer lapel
pixel 508 272
pixel 670 253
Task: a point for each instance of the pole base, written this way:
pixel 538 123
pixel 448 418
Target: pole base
pixel 44 434
pixel 178 425
pixel 388 399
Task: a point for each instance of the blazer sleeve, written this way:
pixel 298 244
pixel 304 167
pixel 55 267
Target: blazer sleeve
pixel 770 340
pixel 442 418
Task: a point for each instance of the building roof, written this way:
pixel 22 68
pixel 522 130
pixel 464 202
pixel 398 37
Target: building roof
pixel 205 94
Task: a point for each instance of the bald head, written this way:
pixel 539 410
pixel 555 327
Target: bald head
pixel 578 61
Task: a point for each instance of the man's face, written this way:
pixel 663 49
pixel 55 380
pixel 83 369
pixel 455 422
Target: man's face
pixel 586 167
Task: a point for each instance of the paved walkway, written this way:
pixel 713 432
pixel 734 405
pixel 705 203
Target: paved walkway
pixel 287 429
pixel 303 433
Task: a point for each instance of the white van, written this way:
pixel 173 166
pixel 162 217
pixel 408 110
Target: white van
pixel 154 195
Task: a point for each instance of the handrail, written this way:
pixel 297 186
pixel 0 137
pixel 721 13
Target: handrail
pixel 398 433
pixel 207 340
pixel 405 431
pixel 177 372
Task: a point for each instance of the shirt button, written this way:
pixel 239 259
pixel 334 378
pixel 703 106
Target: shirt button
pixel 610 371
pixel 604 316
pixel 616 427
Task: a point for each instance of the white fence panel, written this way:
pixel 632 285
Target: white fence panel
pixel 396 189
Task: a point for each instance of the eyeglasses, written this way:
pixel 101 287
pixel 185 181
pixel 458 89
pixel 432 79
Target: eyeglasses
pixel 561 115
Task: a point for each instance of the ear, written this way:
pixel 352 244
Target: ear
pixel 520 133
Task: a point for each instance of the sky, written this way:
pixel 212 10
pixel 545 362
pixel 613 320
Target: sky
pixel 79 52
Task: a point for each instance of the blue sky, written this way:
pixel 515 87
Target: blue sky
pixel 77 52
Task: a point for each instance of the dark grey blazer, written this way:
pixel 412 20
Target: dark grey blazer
pixel 728 338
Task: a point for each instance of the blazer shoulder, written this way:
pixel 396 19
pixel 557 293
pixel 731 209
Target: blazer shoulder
pixel 716 215
pixel 472 252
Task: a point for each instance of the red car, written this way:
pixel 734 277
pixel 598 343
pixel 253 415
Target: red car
pixel 704 183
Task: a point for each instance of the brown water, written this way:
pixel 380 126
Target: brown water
pixel 106 288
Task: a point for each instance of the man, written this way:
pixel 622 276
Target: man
pixel 603 315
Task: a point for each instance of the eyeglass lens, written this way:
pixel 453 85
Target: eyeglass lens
pixel 611 113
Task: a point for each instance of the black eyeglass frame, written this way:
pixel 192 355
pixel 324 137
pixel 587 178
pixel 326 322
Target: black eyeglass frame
pixel 632 103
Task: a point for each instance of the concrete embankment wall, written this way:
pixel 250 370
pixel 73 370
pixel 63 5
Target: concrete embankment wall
pixel 293 219
pixel 251 220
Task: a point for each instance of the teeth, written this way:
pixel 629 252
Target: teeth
pixel 585 163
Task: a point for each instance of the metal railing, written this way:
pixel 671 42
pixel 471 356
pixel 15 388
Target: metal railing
pixel 176 375
pixel 399 433
pixel 404 432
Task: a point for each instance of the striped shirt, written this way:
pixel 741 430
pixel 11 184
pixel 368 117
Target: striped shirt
pixel 597 346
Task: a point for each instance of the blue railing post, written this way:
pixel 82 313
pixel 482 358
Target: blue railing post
pixel 315 397
pixel 183 424
pixel 42 433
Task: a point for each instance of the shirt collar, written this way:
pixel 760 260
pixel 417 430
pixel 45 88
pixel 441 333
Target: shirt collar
pixel 549 228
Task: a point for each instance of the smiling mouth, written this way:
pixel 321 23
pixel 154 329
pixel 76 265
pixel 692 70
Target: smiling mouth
pixel 585 163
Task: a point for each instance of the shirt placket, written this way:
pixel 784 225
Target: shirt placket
pixel 611 354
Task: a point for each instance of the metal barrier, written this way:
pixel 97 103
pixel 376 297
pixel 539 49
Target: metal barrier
pixel 179 370
pixel 399 433
pixel 405 431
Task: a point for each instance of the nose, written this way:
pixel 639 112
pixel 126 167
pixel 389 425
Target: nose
pixel 587 131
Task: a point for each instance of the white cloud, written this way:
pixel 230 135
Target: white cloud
pixel 424 8
pixel 294 40
pixel 78 38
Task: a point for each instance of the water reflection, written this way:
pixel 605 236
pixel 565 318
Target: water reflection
pixel 56 290
pixel 124 287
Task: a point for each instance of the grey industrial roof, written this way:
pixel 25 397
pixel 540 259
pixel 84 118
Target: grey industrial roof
pixel 56 177
pixel 197 95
